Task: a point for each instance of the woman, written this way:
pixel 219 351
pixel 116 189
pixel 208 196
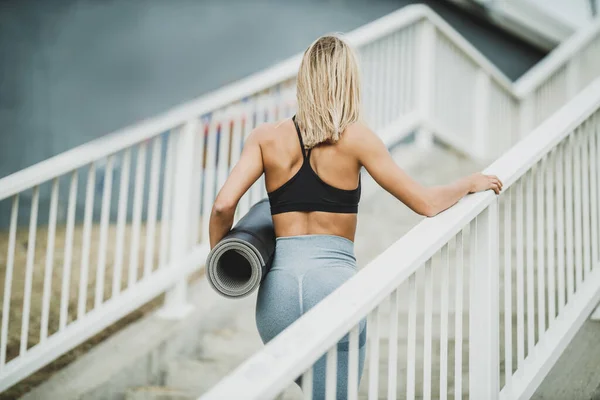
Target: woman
pixel 312 169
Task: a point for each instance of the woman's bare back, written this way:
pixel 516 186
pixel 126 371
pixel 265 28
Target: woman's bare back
pixel 335 164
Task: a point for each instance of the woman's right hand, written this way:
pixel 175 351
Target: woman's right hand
pixel 481 182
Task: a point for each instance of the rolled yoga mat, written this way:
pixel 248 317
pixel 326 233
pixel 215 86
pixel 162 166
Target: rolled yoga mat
pixel 239 262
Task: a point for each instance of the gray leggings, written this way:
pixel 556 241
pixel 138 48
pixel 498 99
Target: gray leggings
pixel 305 270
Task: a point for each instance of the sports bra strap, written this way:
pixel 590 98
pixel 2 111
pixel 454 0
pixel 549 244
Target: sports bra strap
pixel 305 154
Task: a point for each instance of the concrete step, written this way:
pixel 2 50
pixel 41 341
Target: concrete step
pixel 220 352
pixel 196 377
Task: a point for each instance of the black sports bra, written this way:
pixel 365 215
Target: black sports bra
pixel 305 191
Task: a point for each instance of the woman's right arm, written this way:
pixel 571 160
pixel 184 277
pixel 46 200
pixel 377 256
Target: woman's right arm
pixel 427 201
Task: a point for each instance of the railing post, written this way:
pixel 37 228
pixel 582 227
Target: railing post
pixel 426 77
pixel 481 115
pixel 484 370
pixel 572 77
pixel 526 115
pixel 176 305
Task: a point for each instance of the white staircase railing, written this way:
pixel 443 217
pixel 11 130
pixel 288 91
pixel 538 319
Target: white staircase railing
pixel 142 195
pixel 543 230
pixel 559 77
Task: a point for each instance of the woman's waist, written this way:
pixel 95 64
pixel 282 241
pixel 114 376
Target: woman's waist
pixel 316 223
pixel 314 250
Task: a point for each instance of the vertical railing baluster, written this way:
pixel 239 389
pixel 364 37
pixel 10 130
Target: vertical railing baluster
pixel 407 59
pixel 167 198
pixel 398 69
pixel 508 315
pixel 402 65
pixel 596 151
pixel 392 67
pixel 353 363
pixel 550 236
pixel 66 281
pixel 585 200
pixel 411 338
pixel 363 60
pixel 383 80
pixel 484 322
pixel 530 264
pixel 389 104
pixel 197 183
pixel 87 238
pixel 121 223
pixel 209 174
pixel 373 323
pixel 445 265
pixel 560 227
pixel 46 291
pixel 10 263
pixel 520 243
pixel 249 110
pixel 29 270
pixel 569 217
pixel 236 147
pixel 426 79
pixel 136 224
pixel 410 55
pixel 541 282
pixel 223 151
pixel 378 77
pixel 237 139
pixel 153 193
pixel 593 194
pixel 458 317
pixel 576 148
pixel 428 316
pixel 331 375
pixel 372 83
pixel 262 110
pixel 103 239
pixel 393 346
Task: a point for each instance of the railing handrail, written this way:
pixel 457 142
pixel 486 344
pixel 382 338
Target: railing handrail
pixel 255 83
pixel 535 76
pixel 294 350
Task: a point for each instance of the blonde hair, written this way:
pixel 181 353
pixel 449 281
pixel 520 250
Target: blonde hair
pixel 328 90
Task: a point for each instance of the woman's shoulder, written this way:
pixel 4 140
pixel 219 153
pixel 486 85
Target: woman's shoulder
pixel 270 131
pixel 356 134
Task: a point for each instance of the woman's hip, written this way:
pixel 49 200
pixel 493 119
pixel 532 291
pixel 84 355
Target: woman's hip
pixel 300 254
pixel 305 270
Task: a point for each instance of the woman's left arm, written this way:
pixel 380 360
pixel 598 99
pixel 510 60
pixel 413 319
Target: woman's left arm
pixel 247 171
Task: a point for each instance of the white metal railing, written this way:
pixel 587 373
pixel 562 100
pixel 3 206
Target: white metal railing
pixel 561 75
pixel 541 232
pixel 142 195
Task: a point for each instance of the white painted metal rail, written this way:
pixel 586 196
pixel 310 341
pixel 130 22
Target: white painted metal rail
pixel 543 230
pixel 128 213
